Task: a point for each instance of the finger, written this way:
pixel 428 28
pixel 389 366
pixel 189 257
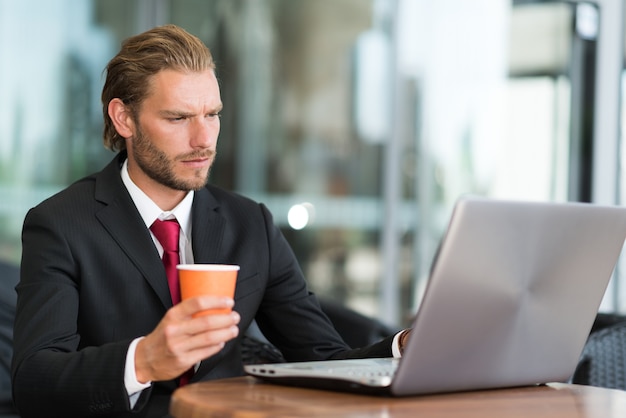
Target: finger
pixel 197 344
pixel 177 334
pixel 200 346
pixel 210 329
pixel 194 305
pixel 211 322
pixel 191 326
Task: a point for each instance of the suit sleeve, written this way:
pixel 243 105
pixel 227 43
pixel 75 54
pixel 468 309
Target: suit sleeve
pixel 51 371
pixel 290 315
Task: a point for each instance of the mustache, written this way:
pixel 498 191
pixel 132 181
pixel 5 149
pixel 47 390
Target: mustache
pixel 197 155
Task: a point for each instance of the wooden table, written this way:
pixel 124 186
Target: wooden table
pixel 246 397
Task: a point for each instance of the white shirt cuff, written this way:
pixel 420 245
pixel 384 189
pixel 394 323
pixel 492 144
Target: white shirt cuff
pixel 133 387
pixel 395 345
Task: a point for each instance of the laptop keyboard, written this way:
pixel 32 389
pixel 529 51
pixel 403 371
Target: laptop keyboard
pixel 386 370
pixel 375 373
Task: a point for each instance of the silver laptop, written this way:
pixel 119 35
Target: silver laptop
pixel 512 296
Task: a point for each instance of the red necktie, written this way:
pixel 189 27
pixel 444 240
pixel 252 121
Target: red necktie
pixel 167 232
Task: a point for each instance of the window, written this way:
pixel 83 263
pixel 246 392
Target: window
pixel 366 118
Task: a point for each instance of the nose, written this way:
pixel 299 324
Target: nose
pixel 204 132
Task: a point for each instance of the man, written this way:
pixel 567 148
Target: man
pixel 97 331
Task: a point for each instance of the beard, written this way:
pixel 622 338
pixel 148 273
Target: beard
pixel 160 168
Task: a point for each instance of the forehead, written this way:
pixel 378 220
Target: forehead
pixel 172 88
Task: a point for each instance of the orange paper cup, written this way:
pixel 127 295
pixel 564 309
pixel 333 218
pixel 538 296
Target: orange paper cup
pixel 207 279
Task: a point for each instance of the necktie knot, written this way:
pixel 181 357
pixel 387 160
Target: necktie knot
pixel 167 232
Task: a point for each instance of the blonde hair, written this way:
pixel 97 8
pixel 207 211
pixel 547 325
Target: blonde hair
pixel 141 57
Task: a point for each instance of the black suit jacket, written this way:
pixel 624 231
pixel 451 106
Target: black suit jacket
pixel 92 281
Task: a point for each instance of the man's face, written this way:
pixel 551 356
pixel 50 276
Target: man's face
pixel 176 131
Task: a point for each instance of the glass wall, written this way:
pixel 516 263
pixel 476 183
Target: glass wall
pixel 357 122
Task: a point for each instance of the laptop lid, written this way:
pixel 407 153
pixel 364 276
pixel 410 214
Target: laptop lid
pixel 513 293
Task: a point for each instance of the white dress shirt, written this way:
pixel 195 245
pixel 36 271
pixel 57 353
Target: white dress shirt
pixel 149 212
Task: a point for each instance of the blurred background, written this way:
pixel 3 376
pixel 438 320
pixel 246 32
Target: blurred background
pixel 357 122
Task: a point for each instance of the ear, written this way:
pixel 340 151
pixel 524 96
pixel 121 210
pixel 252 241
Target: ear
pixel 122 119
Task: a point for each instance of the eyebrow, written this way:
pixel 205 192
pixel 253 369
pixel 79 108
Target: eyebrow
pixel 174 113
pixel 182 113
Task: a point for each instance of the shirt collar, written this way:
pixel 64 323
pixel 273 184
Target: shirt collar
pixel 149 210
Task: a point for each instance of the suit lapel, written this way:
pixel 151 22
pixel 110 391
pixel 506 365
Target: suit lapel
pixel 207 228
pixel 120 218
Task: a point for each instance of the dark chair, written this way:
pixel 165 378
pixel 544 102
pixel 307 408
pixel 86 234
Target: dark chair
pixel 603 361
pixel 9 276
pixel 256 349
pixel 356 329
